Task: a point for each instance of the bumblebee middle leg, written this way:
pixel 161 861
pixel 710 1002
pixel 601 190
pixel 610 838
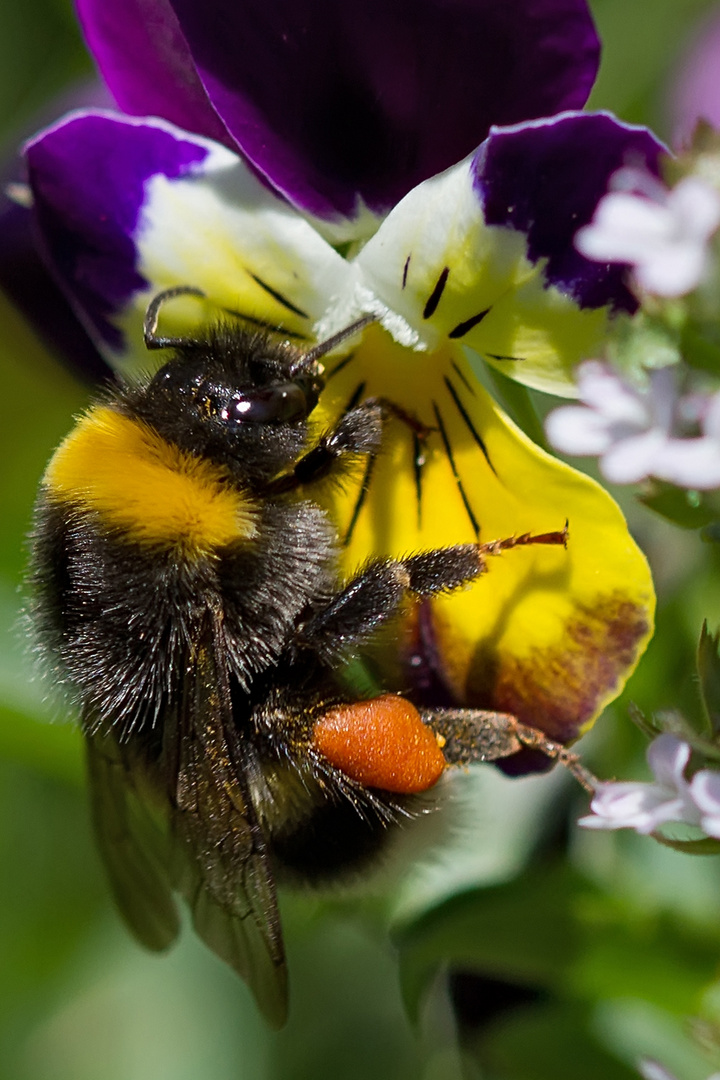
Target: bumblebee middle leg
pixel 375 595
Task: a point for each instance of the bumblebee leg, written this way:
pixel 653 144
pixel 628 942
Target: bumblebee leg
pixel 374 596
pixel 443 569
pixel 477 735
pixel 354 613
pixel 359 431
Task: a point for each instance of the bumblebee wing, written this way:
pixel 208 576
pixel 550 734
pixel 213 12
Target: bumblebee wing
pixel 225 873
pixel 133 844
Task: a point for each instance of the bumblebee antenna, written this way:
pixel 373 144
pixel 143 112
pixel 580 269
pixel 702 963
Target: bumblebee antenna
pixel 151 338
pixel 324 347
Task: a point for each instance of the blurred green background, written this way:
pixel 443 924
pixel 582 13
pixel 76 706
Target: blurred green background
pixel 566 954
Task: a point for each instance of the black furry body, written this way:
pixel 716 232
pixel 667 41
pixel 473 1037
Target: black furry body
pixel 199 673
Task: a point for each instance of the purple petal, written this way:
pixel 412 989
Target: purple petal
pixel 144 58
pixel 668 757
pixel 339 102
pixel 546 178
pixel 87 175
pixel 24 277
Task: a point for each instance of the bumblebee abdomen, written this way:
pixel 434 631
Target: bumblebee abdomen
pixel 139 485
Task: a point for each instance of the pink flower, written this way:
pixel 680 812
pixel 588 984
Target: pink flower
pixel 639 433
pixel 662 233
pixel 646 806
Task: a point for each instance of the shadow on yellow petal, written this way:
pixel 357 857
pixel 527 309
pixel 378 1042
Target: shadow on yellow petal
pixel 548 634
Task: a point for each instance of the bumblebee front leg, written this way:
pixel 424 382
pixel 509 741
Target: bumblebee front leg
pixel 470 735
pixel 359 431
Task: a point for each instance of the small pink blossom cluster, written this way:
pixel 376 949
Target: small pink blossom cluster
pixel 663 233
pixel 670 797
pixel 638 433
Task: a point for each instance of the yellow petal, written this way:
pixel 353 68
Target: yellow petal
pixel 548 634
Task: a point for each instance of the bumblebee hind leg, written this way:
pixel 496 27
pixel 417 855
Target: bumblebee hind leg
pixel 471 735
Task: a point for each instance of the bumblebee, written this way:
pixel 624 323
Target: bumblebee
pixel 187 593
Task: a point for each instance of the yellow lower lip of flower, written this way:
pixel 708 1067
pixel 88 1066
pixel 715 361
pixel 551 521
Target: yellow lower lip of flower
pixel 548 634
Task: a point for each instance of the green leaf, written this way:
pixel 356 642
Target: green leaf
pixel 548 1042
pixel 495 930
pixel 673 722
pixel 517 401
pixel 708 666
pixel 642 342
pixel 647 724
pixel 705 846
pixel 710 534
pixel 688 509
pixel 553 930
pixel 53 750
pixel 698 351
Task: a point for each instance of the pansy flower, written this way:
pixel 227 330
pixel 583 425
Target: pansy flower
pixel 314 162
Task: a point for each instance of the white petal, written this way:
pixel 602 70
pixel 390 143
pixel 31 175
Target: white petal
pixel 495 299
pixel 220 230
pixel 705 791
pixel 711 418
pixel 625 228
pixel 665 241
pixel 689 463
pixel 639 806
pixel 697 205
pixel 574 429
pixel 662 397
pixel 631 460
pixel 673 270
pixel 439 224
pixel 640 182
pixel 710 825
pixel 602 388
pixel 653 1070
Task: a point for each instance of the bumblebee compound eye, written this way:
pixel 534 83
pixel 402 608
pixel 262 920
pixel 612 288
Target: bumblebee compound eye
pixel 381 743
pixel 278 404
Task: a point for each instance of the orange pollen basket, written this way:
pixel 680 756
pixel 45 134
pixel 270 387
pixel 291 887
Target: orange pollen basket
pixel 381 743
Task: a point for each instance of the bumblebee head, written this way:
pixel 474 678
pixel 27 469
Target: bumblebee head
pixel 236 397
